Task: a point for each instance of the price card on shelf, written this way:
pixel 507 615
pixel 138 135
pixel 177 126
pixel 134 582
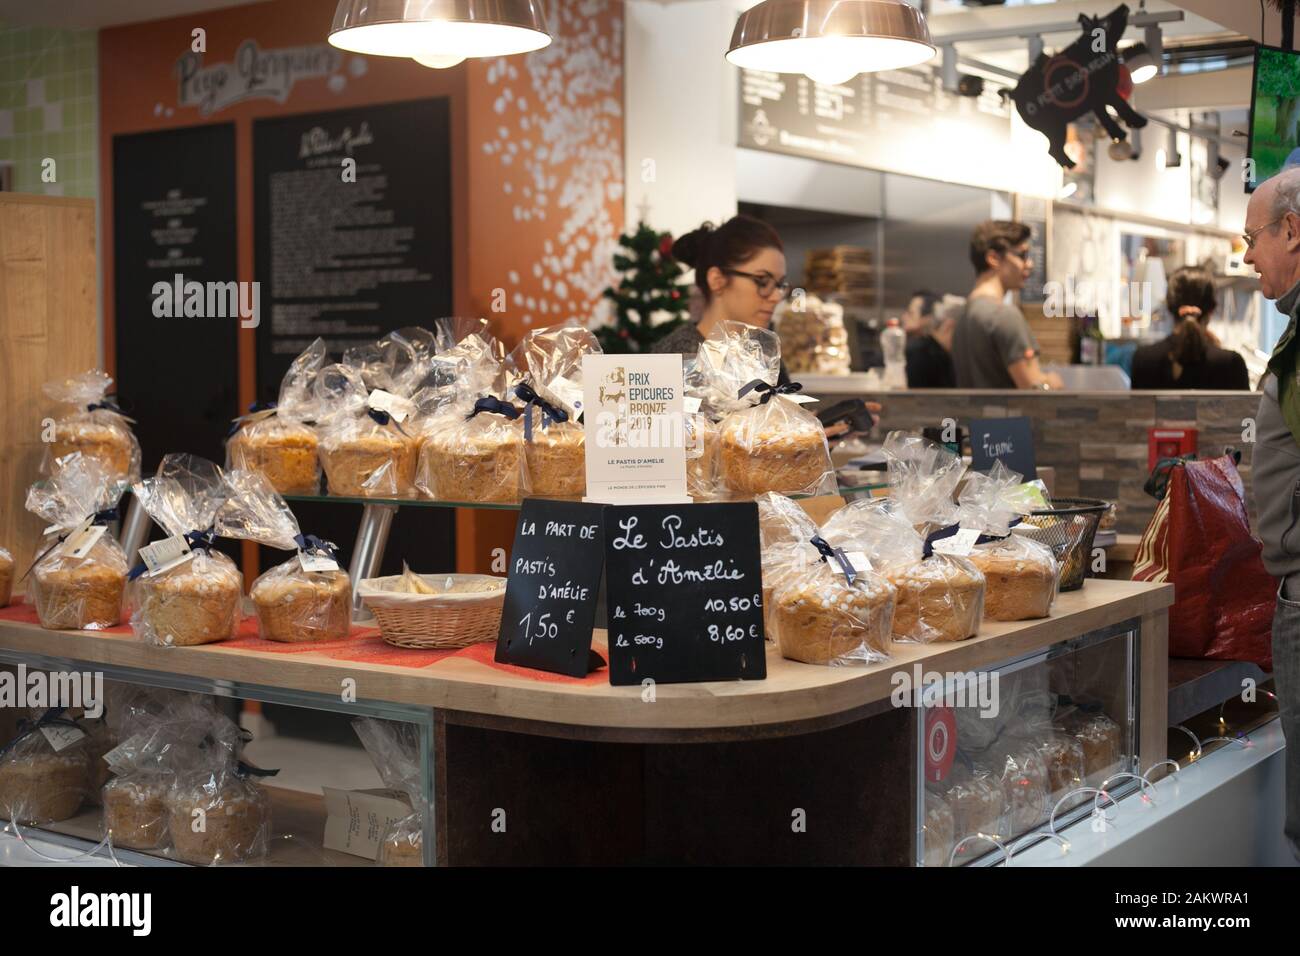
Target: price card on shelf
pixel 552 588
pixel 685 593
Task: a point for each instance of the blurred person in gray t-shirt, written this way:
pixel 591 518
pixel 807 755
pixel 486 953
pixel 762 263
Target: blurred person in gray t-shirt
pixel 992 346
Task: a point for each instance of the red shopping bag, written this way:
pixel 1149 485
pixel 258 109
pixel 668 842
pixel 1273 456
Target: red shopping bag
pixel 1199 541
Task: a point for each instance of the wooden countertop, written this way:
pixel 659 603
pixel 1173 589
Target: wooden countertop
pixel 791 694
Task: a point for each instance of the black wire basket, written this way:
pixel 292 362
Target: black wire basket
pixel 1068 528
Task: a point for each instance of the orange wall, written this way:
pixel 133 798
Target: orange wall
pixel 536 160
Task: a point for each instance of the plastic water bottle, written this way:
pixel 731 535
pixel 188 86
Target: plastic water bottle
pixel 893 343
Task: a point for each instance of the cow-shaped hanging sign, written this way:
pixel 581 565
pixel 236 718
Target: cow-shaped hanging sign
pixel 1085 77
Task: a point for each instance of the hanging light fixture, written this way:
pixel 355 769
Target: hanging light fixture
pixel 439 33
pixel 1141 64
pixel 831 41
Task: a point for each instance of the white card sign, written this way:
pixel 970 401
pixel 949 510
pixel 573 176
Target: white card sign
pixel 636 447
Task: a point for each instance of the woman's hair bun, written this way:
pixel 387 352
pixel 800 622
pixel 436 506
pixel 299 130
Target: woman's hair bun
pixel 688 248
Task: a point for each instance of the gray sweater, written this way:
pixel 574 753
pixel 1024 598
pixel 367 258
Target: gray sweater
pixel 1275 472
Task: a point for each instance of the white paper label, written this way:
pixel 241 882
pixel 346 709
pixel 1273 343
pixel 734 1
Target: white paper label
pixel 801 399
pixel 959 544
pixel 60 737
pixel 163 552
pixel 356 820
pixel 564 393
pixel 79 543
pixel 116 758
pixel 317 562
pixel 398 408
pixel 690 404
pixel 860 561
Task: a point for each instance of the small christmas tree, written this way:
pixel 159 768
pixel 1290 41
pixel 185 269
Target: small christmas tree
pixel 648 301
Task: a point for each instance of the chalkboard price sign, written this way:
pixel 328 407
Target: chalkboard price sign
pixel 685 593
pixel 552 587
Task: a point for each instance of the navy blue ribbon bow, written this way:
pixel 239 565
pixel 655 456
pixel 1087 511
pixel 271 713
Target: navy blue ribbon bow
pixel 490 403
pixel 105 517
pixel 767 391
pixel 952 529
pixel 549 412
pixel 827 551
pixel 105 405
pixel 314 545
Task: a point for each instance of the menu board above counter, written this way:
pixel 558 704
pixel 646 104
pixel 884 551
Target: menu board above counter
pixel 352 216
pixel 897 121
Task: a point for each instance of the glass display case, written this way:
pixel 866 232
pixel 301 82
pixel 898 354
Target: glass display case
pixel 1015 753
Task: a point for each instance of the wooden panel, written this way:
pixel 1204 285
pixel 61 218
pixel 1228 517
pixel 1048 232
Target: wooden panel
pixel 48 330
pixel 792 691
pixel 1153 690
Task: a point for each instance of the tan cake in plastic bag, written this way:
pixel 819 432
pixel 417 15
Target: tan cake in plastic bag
pixel 71 592
pixel 365 452
pixel 135 811
pixel 394 749
pixel 94 428
pixel 39 784
pixel 476 458
pixel 766 441
pixel 217 818
pixel 277 442
pixel 545 372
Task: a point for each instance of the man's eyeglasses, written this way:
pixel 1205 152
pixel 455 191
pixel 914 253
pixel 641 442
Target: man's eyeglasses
pixel 766 282
pixel 1249 237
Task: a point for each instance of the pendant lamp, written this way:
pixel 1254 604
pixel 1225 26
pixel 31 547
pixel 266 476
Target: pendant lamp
pixel 831 41
pixel 439 32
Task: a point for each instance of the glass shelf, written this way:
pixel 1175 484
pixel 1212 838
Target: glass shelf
pixel 420 502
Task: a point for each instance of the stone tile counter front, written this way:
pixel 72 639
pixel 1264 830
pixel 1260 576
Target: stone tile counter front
pixel 1097 441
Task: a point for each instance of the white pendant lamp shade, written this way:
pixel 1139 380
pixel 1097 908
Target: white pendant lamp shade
pixel 438 30
pixel 830 40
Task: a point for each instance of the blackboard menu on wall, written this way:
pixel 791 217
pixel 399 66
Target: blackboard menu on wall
pixel 876 120
pixel 174 231
pixel 1034 213
pixel 684 592
pixel 352 222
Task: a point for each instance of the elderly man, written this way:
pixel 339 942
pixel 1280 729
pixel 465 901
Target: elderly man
pixel 1273 249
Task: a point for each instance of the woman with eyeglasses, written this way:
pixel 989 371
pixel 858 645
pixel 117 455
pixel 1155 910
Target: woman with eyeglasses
pixel 740 271
pixel 1191 356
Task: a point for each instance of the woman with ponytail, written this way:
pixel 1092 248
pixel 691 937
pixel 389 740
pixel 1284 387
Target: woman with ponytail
pixel 1190 357
pixel 740 272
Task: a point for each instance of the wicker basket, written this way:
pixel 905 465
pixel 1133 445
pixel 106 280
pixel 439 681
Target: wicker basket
pixel 451 619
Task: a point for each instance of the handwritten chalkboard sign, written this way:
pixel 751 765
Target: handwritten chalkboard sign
pixel 685 593
pixel 1008 440
pixel 551 591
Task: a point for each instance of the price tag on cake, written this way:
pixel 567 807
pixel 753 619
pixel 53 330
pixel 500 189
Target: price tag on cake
pixel 959 544
pixel 861 563
pixel 690 404
pixel 78 544
pixel 165 554
pixel 564 393
pixel 800 399
pixel 314 561
pixel 61 737
pixel 398 408
pixel 117 758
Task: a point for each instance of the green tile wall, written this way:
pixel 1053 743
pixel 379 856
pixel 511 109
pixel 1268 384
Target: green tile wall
pixel 48 95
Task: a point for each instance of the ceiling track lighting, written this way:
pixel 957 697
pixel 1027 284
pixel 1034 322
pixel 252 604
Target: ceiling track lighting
pixel 830 41
pixel 1035 49
pixel 439 33
pixel 1173 157
pixel 1141 64
pixel 949 76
